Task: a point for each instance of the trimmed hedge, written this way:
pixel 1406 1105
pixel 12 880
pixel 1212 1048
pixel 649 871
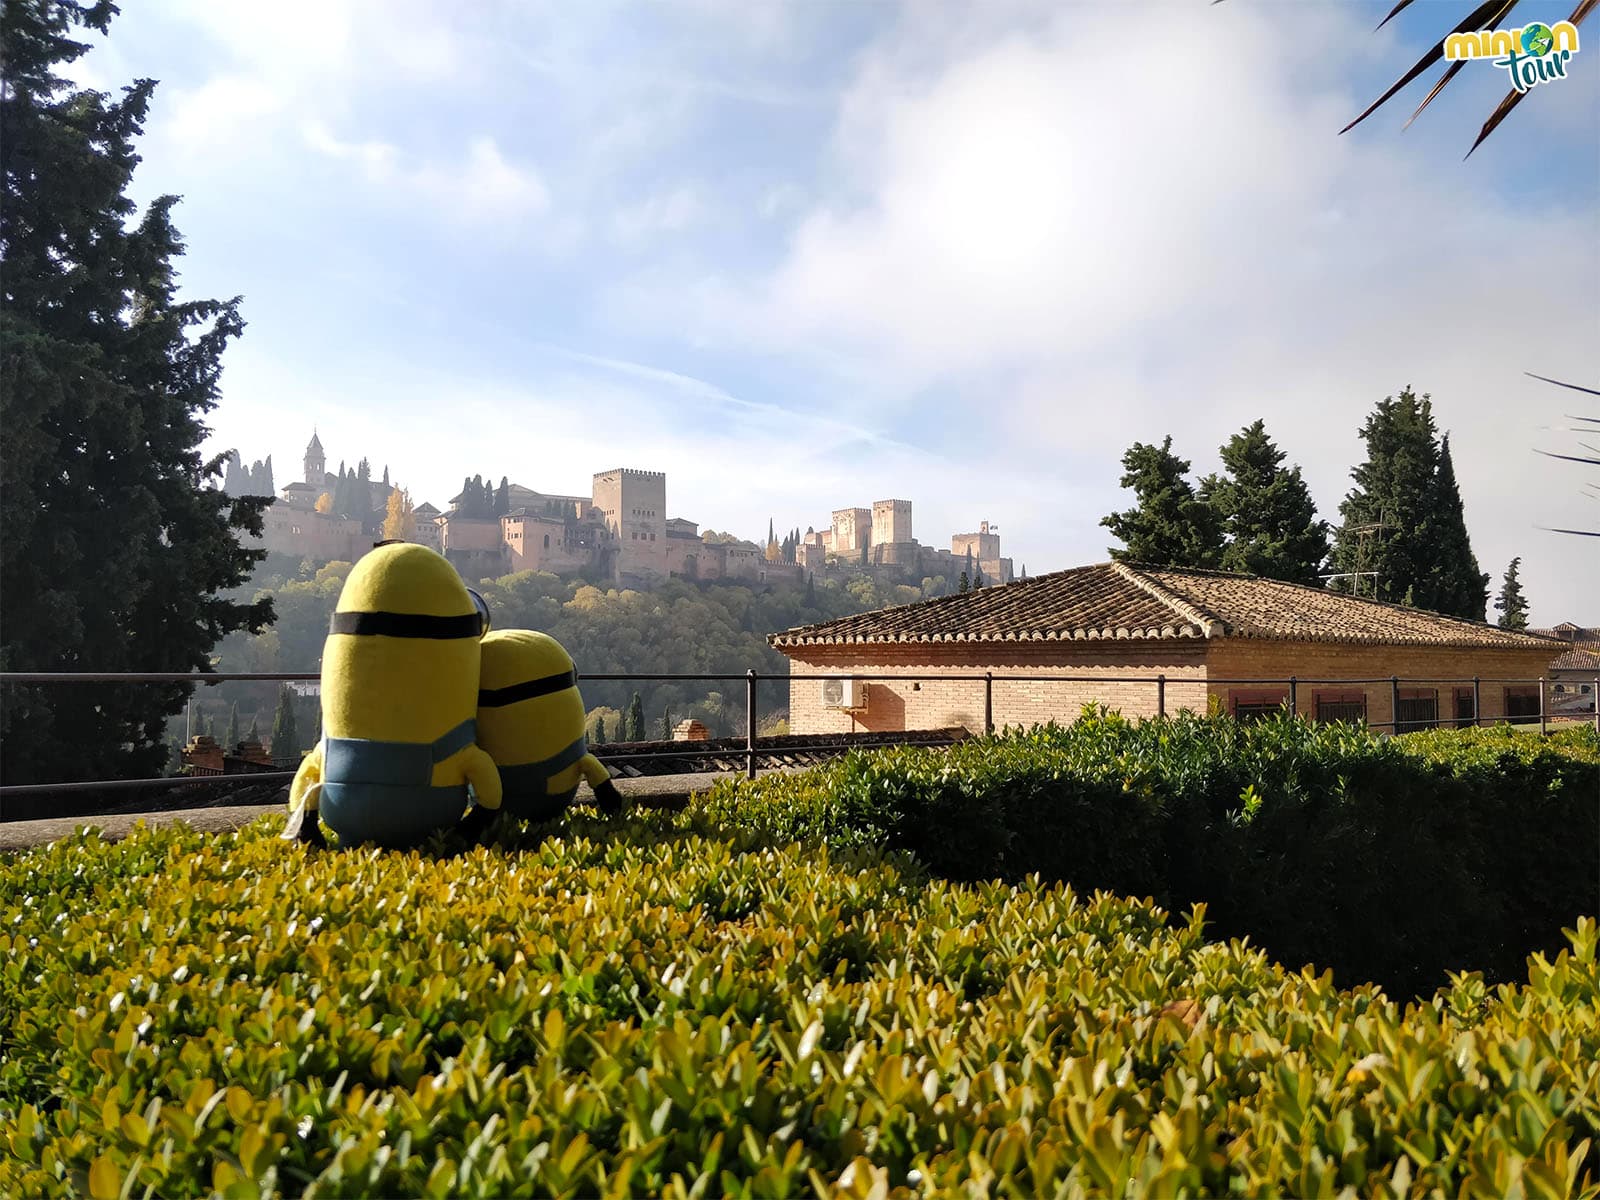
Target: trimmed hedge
pixel 1388 859
pixel 667 1013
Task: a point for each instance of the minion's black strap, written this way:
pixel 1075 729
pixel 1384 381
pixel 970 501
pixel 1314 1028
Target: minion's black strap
pixel 405 625
pixel 527 690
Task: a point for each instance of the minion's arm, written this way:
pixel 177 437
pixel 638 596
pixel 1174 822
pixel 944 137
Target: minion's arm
pixel 303 825
pixel 599 781
pixel 484 777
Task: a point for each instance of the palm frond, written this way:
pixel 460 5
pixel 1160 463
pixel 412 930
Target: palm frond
pixel 1577 387
pixel 1514 97
pixel 1485 15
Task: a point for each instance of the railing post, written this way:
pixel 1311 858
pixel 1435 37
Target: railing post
pixel 1394 705
pixel 988 702
pixel 1294 695
pixel 750 723
pixel 1477 702
pixel 1595 696
pixel 1161 695
pixel 1544 727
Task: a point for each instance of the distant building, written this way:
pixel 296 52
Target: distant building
pixel 1574 672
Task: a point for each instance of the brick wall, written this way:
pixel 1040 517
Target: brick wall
pixel 936 704
pixel 1440 669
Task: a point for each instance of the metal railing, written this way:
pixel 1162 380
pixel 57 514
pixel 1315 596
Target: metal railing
pixel 752 751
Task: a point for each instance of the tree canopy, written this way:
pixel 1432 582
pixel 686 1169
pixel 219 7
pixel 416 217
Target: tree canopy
pixel 115 540
pixel 1267 517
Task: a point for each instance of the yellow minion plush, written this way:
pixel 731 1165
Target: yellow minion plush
pixel 399 704
pixel 531 721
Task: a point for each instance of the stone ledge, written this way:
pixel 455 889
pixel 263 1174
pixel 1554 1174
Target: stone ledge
pixel 650 791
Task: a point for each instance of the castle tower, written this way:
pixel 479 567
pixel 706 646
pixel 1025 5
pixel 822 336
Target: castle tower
pixel 891 522
pixel 315 464
pixel 633 505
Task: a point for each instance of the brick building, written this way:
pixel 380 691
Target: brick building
pixel 1575 671
pixel 1200 629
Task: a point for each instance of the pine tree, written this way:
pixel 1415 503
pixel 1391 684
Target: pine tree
pixel 634 727
pixel 1266 512
pixel 285 738
pixel 1170 526
pixel 1407 484
pixel 106 377
pixel 1511 604
pixel 232 741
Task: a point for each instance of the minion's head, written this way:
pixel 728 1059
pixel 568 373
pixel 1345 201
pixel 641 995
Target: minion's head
pixel 401 659
pixel 521 657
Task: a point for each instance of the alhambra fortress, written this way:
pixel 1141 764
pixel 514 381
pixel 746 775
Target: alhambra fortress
pixel 619 532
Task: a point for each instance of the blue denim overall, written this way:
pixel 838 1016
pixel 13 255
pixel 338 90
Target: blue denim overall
pixel 383 791
pixel 525 785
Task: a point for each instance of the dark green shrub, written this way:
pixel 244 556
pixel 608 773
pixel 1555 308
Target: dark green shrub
pixel 1393 860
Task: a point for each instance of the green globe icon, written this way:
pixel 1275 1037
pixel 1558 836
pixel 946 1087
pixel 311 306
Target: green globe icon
pixel 1537 40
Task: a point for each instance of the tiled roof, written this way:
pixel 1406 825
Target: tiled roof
pixel 1120 601
pixel 1584 658
pixel 1568 632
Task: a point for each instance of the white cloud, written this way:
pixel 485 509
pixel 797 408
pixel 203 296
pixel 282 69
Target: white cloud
pixel 666 212
pixel 225 112
pixel 484 187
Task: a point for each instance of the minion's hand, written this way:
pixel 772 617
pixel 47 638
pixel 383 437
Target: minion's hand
pixel 607 798
pixel 477 821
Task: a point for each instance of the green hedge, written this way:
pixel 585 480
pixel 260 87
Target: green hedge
pixel 1388 859
pixel 657 1012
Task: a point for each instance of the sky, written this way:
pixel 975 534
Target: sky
pixel 803 256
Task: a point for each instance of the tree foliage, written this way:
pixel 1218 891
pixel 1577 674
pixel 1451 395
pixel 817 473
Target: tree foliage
pixel 1169 525
pixel 1265 512
pixel 1404 517
pixel 285 737
pixel 115 541
pixel 1511 604
pixel 400 521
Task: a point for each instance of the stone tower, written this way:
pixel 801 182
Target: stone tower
pixel 634 506
pixel 316 466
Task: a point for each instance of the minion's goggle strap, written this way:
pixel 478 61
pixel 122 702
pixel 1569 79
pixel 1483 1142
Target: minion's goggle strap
pixel 527 690
pixel 405 625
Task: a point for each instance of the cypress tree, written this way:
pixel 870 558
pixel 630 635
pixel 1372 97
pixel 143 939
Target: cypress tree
pixel 285 738
pixel 267 487
pixel 316 725
pixel 666 723
pixel 1169 526
pixel 1407 484
pixel 502 498
pixel 105 379
pixel 1459 587
pixel 253 734
pixel 210 728
pixel 233 475
pixel 1511 604
pixel 965 585
pixel 634 727
pixel 1265 511
pixel 599 738
pixel 811 590
pixel 233 729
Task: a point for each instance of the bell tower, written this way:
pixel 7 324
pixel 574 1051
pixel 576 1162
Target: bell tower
pixel 316 467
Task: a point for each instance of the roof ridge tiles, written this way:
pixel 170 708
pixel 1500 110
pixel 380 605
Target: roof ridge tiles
pixel 1208 624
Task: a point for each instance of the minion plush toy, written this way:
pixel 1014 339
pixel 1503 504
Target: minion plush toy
pixel 399 702
pixel 531 721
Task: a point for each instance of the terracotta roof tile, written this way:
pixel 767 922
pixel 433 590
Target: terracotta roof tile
pixel 1114 601
pixel 1584 658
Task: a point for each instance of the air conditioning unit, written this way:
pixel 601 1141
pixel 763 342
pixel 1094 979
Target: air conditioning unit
pixel 843 693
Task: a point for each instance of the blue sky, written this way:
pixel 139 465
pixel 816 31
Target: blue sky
pixel 803 256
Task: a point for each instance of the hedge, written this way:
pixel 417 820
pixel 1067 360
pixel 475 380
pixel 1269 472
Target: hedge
pixel 659 1012
pixel 1393 860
